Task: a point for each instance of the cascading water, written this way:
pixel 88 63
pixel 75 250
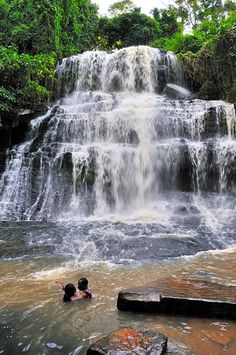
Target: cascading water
pixel 119 182
pixel 112 144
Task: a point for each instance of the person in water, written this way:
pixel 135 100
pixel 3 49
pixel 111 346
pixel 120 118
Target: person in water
pixel 84 291
pixel 70 291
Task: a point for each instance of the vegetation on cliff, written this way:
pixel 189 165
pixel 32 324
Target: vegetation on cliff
pixel 25 80
pixel 209 57
pixel 211 71
pixel 34 35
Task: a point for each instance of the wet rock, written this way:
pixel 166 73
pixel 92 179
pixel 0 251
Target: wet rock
pixel 162 77
pixel 175 348
pixel 133 137
pixel 181 296
pixel 5 134
pixel 2 161
pixel 215 122
pixel 21 124
pixel 130 341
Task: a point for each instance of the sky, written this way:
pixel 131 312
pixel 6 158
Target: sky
pixel 146 5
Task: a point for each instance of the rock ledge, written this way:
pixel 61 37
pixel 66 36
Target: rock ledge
pixel 179 296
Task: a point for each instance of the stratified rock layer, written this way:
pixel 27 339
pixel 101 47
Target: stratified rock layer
pixel 130 341
pixel 181 296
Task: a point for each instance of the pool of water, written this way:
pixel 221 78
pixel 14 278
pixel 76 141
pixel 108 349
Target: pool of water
pixel 114 256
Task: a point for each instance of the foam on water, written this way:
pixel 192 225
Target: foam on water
pixel 51 274
pixel 207 253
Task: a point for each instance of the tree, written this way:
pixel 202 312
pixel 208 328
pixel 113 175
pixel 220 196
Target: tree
pixel 32 34
pixel 24 81
pixel 128 29
pixel 34 26
pixel 168 20
pixel 121 7
pixel 189 12
pixel 193 12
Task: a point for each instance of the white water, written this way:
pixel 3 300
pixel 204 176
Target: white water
pixel 129 69
pixel 115 150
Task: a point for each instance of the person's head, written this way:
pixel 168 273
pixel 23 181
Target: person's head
pixel 70 291
pixel 82 284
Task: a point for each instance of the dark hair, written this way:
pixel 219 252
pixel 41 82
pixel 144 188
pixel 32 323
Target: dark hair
pixel 88 294
pixel 82 284
pixel 70 291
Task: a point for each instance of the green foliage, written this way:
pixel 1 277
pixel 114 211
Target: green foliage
pixel 128 29
pixel 7 101
pixel 212 70
pixel 208 53
pixel 24 80
pixel 205 34
pixel 188 12
pixel 168 21
pixel 193 12
pixel 32 34
pixel 179 43
pixel 34 26
pixel 79 26
pixel 33 93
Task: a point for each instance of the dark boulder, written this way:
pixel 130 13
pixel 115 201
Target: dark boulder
pixel 128 341
pixel 20 125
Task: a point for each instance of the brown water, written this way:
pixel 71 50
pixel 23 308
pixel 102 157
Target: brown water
pixel 35 321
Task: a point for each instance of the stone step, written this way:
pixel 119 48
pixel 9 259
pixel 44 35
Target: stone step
pixel 182 296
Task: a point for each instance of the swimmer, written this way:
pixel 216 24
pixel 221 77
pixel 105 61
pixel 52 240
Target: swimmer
pixel 84 291
pixel 71 294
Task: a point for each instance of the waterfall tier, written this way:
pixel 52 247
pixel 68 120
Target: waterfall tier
pixel 129 69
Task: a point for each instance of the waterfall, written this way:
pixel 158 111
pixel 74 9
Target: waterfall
pixel 129 69
pixel 114 142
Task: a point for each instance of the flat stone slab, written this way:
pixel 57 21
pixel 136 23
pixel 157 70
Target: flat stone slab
pixel 176 295
pixel 128 341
